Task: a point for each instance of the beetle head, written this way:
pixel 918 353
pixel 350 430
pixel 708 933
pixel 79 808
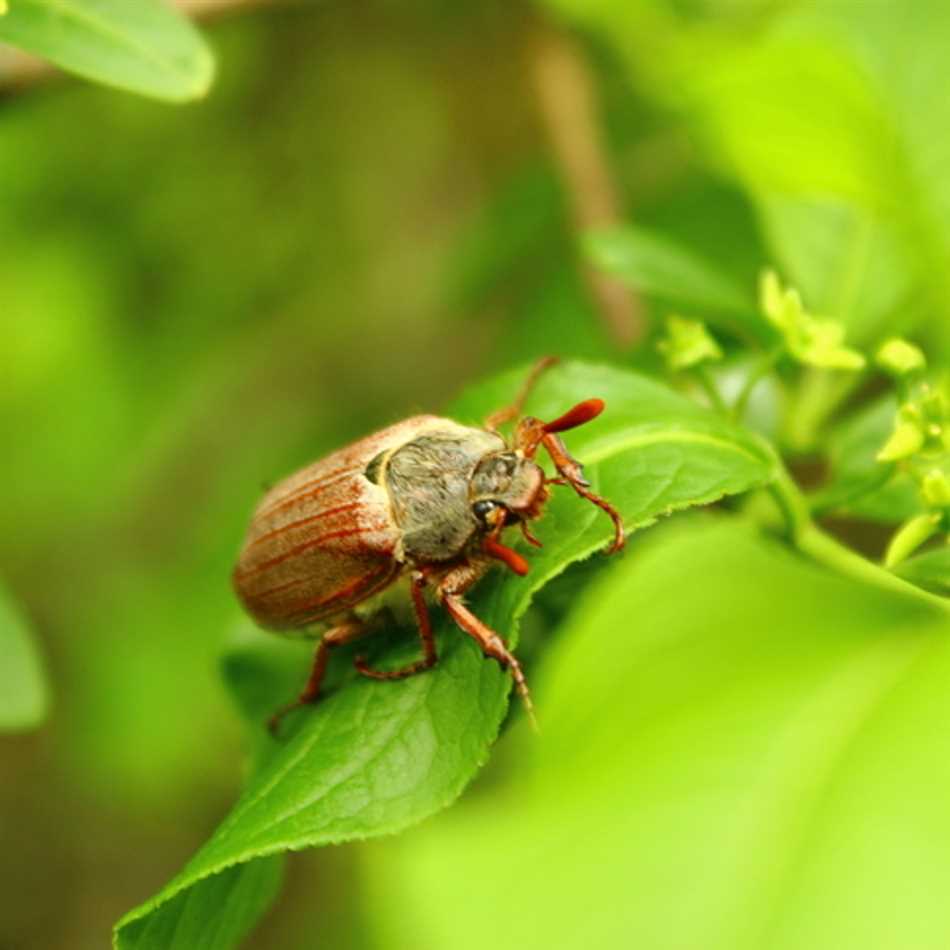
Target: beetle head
pixel 506 485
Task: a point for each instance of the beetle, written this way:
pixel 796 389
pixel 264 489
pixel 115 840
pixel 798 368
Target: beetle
pixel 425 499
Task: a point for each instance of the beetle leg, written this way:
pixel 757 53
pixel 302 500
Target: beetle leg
pixel 501 416
pixel 533 433
pixel 451 588
pixel 334 637
pixel 572 474
pixel 429 655
pixel 528 536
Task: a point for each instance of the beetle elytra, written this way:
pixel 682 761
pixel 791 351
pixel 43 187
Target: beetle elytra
pixel 426 498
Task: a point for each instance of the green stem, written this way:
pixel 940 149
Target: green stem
pixel 817 396
pixel 764 366
pixel 705 379
pixel 821 547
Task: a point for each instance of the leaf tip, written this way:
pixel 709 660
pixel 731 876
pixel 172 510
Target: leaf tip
pixel 200 75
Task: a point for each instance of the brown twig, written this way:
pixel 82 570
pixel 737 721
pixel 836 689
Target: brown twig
pixel 568 105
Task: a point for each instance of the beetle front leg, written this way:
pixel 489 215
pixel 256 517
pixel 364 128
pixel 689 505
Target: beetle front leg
pixel 492 645
pixel 334 637
pixel 572 474
pixel 429 655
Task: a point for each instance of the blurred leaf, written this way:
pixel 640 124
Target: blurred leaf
pixel 858 484
pixel 833 118
pixel 654 264
pixel 820 165
pixel 373 758
pixel 844 260
pixel 847 156
pixel 214 914
pixel 930 570
pixel 739 751
pixel 23 697
pixel 145 46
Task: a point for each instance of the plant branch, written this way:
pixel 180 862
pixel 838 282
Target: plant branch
pixel 705 379
pixel 568 106
pixel 759 370
pixel 826 550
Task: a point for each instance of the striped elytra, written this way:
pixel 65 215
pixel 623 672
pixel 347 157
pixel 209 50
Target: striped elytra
pixel 327 538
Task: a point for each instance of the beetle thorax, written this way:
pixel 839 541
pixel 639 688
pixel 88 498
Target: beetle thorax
pixel 428 481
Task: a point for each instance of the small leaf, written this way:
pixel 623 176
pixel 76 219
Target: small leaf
pixel 906 440
pixel 687 343
pixel 372 757
pixel 935 488
pixel 911 536
pixel 930 570
pixel 23 697
pixel 653 264
pixel 146 46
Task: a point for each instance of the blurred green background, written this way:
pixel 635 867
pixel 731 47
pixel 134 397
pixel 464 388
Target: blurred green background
pixel 373 206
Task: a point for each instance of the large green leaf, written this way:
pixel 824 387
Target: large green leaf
pixel 23 697
pixel 740 752
pixel 372 758
pixel 145 46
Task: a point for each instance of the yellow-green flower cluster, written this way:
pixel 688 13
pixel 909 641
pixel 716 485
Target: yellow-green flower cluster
pixel 920 440
pixel 922 425
pixel 811 340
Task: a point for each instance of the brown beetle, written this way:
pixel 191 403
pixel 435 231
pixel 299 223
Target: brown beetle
pixel 428 498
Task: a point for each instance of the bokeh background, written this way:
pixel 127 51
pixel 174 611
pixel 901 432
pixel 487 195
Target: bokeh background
pixel 378 202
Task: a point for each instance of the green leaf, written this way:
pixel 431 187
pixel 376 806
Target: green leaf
pixel 654 264
pixel 23 697
pixel 741 751
pixel 373 757
pixel 930 570
pixel 145 46
pixel 910 536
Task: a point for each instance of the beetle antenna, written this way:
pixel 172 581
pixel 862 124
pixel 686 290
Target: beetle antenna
pixel 581 414
pixel 501 416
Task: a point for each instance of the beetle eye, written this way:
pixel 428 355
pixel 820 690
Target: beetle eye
pixel 483 509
